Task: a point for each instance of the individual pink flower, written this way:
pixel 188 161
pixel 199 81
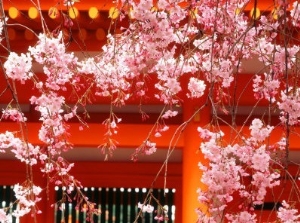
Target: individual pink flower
pixel 157 134
pixel 150 147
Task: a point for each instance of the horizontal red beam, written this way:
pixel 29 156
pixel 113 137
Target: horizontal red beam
pixel 131 174
pixel 244 93
pixel 133 135
pixel 265 5
pixel 46 4
pixel 129 135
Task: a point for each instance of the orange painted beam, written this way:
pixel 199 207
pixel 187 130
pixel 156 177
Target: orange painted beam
pixel 264 5
pixel 100 174
pixel 129 135
pixel 244 92
pixel 132 135
pixel 102 5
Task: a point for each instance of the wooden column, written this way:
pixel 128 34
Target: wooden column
pixel 191 157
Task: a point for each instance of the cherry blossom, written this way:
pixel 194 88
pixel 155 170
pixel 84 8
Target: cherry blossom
pixel 150 148
pixel 196 87
pixel 59 72
pixel 27 197
pixel 14 115
pixel 242 217
pixel 2 23
pixel 295 13
pixel 258 132
pixel 289 106
pixel 6 140
pixel 69 2
pixel 169 114
pixel 23 151
pixel 3 216
pixel 266 88
pixel 18 67
pixel 227 167
pixel 146 208
pixel 288 214
pixel 205 42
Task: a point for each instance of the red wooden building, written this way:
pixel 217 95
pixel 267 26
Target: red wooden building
pixel 88 35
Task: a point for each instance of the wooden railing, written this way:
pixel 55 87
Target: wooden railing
pixel 7 201
pixel 115 205
pixel 98 175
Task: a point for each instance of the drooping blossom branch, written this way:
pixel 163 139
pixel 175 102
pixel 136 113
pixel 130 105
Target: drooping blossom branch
pixel 207 41
pixel 229 166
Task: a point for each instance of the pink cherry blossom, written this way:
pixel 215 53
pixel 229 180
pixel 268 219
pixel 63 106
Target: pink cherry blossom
pixel 258 132
pixel 19 67
pixel 260 159
pixel 228 165
pixel 289 105
pixel 242 217
pixel 169 114
pixel 295 13
pixel 288 214
pixel 200 47
pixel 196 87
pixel 146 207
pixel 14 115
pixel 2 23
pixel 3 216
pixel 27 196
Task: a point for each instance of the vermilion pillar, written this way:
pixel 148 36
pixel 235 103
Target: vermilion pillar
pixel 191 157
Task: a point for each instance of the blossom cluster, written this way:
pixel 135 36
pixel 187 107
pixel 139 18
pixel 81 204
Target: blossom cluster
pixel 59 68
pixel 289 106
pixel 18 67
pixel 2 24
pixel 196 87
pixel 13 114
pixel 27 196
pixel 161 212
pixel 288 214
pixel 207 42
pixel 23 150
pixel 146 207
pixel 146 148
pixel 295 13
pixel 230 165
